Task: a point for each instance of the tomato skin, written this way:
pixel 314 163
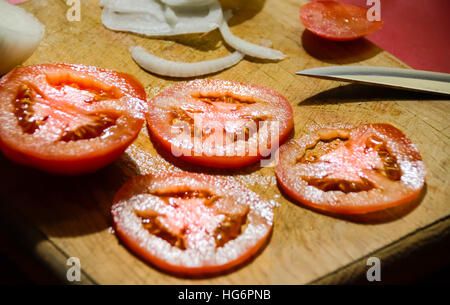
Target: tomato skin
pixel 212 161
pixel 158 124
pixel 337 21
pixel 195 262
pixel 70 166
pixel 183 270
pixel 49 82
pixel 389 194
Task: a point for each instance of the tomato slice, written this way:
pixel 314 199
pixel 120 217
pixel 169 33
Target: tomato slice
pixel 220 123
pixel 337 21
pixel 68 119
pixel 352 171
pixel 191 224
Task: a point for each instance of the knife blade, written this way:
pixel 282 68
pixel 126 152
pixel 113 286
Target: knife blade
pixel 408 79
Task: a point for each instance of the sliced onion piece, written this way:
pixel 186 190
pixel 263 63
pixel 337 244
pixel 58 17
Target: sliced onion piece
pixel 247 47
pixel 188 20
pixel 187 2
pixel 20 35
pixel 135 7
pixel 171 18
pixel 165 67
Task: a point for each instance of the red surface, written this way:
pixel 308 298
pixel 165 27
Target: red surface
pixel 415 31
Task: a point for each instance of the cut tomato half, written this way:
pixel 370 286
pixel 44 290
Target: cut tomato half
pixel 68 119
pixel 337 21
pixel 191 224
pixel 352 171
pixel 220 123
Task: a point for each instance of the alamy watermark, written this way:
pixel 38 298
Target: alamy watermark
pixel 374 272
pixel 192 135
pixel 74 11
pixel 374 12
pixel 73 273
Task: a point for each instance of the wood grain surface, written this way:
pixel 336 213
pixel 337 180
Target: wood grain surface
pixel 61 217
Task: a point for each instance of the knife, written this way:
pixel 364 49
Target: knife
pixel 408 79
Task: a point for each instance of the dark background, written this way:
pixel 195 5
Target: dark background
pixel 429 265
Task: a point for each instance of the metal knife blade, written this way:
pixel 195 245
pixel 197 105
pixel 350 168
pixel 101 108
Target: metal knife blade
pixel 408 79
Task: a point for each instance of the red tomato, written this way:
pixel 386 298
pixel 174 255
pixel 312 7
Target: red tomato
pixel 337 21
pixel 235 123
pixel 352 171
pixel 68 119
pixel 191 224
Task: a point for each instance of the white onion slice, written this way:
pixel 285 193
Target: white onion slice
pixel 247 47
pixel 171 18
pixel 135 7
pixel 122 17
pixel 187 2
pixel 20 35
pixel 165 67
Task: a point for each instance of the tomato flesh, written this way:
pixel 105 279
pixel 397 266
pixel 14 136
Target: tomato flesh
pixel 191 223
pixel 337 21
pixel 68 119
pixel 228 124
pixel 352 171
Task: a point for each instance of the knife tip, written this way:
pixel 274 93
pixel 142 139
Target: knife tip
pixel 309 72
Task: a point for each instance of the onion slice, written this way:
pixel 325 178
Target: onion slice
pixel 20 35
pixel 248 48
pixel 170 15
pixel 165 67
pixel 151 17
pixel 190 3
pixel 134 6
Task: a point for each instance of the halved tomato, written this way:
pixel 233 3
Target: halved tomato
pixel 337 21
pixel 220 123
pixel 191 224
pixel 352 171
pixel 68 119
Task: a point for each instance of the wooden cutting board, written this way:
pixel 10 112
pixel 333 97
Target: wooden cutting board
pixel 61 217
